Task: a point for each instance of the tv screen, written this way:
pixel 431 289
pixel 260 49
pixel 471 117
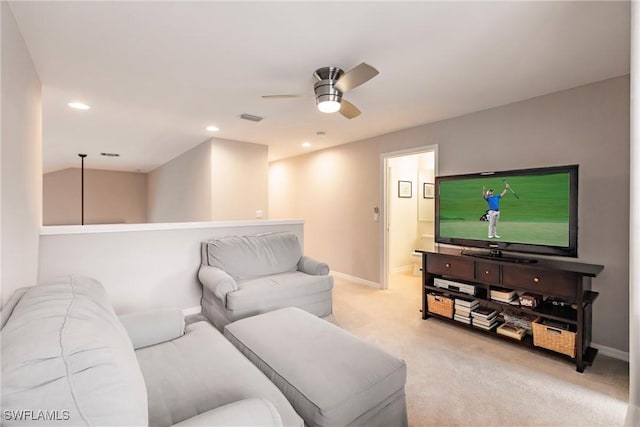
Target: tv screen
pixel 528 210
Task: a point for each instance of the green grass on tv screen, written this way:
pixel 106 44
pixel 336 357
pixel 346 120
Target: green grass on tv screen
pixel 540 215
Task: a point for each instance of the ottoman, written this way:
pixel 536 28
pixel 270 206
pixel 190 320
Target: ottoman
pixel 331 377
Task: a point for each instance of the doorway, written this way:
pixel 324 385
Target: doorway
pixel 408 214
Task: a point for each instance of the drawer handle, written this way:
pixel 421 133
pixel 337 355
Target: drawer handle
pixel 486 272
pixel 447 265
pixel 536 280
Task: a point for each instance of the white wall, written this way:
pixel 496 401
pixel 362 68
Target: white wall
pixel 587 125
pixel 239 175
pixel 142 266
pixel 180 190
pixel 21 157
pixel 110 197
pixel 403 212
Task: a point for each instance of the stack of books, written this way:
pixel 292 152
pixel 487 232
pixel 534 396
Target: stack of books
pixel 512 331
pixel 484 318
pixel 463 308
pixel 508 296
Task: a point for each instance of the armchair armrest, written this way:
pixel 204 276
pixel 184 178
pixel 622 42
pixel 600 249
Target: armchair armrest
pixel 247 412
pixel 217 281
pixel 311 266
pixel 153 327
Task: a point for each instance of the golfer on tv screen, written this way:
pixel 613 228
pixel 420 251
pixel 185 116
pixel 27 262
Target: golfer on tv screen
pixel 494 208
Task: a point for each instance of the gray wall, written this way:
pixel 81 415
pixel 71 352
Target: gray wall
pixel 142 269
pixel 219 180
pixel 180 190
pixel 335 190
pixel 21 160
pixel 110 197
pixel 633 412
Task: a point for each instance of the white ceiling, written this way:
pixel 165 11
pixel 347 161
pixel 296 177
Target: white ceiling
pixel 157 73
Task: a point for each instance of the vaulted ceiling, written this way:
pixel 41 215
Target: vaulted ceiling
pixel 157 73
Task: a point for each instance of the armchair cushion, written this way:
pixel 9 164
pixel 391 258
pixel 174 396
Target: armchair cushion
pixel 153 327
pixel 278 290
pixel 217 281
pixel 311 266
pixel 246 257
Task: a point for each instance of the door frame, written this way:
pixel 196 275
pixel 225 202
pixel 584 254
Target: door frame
pixel 386 192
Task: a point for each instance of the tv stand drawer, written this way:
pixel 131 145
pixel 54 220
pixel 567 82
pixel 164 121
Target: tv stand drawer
pixel 451 266
pixel 558 283
pixel 487 272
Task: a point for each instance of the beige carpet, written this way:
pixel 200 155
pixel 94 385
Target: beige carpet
pixel 457 377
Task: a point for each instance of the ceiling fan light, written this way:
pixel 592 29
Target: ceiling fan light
pixel 329 106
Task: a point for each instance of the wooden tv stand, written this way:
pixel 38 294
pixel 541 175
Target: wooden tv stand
pixel 561 279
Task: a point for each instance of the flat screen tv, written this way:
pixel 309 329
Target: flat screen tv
pixel 536 211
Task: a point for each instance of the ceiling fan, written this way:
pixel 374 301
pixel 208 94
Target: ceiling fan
pixel 331 83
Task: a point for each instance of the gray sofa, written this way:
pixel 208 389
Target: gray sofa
pixel 247 275
pixel 67 359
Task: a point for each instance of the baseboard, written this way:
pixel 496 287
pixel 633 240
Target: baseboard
pixel 356 279
pixel 633 416
pixel 611 352
pixel 191 310
pixel 402 269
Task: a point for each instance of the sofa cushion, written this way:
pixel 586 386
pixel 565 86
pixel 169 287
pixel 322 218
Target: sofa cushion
pixel 207 372
pixel 276 289
pixel 64 351
pixel 248 412
pixel 153 327
pixel 245 257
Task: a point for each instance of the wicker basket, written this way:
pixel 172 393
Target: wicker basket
pixel 554 339
pixel 440 304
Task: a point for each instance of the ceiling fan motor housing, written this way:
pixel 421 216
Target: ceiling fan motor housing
pixel 324 88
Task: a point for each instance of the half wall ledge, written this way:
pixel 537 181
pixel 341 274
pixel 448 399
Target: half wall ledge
pixel 50 230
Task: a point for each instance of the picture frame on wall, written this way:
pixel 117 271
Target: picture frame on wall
pixel 404 189
pixel 428 190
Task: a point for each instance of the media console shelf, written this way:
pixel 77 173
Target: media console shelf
pixel 570 281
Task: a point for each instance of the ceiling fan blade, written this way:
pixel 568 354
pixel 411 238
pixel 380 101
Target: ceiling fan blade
pixel 355 77
pixel 284 96
pixel 348 110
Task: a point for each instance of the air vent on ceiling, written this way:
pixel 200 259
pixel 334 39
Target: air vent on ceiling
pixel 110 154
pixel 250 117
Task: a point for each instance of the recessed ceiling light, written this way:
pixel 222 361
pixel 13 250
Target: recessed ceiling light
pixel 306 144
pixel 78 105
pixel 212 129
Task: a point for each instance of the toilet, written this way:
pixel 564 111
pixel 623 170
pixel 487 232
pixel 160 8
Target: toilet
pixel 426 244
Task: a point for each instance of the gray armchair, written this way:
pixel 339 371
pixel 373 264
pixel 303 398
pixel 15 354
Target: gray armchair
pixel 247 275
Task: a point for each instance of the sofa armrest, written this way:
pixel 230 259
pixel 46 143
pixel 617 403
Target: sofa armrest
pixel 153 327
pixel 311 266
pixel 247 412
pixel 217 281
pixel 7 309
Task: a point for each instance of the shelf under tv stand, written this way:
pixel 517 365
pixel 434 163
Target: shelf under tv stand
pixel 551 278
